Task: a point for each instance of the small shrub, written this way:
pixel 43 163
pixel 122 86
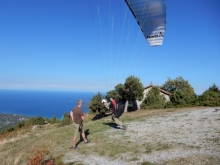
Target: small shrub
pixel 38 120
pixel 20 124
pixel 10 129
pixel 37 156
pixel 58 160
pixel 66 121
pixel 154 100
pixel 147 163
pixel 54 120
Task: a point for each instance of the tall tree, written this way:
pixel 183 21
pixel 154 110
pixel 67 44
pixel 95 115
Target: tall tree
pixel 182 92
pixel 112 94
pixel 178 84
pixel 211 97
pixel 96 104
pixel 134 90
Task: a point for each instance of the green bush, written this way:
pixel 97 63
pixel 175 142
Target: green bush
pixel 39 120
pixel 154 100
pixel 54 120
pixel 20 124
pixel 35 121
pixel 96 104
pixel 65 121
pixel 210 99
pixel 10 129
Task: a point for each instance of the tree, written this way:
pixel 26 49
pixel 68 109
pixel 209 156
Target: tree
pixel 182 92
pixel 96 104
pixel 111 94
pixel 118 93
pixel 179 84
pixel 134 90
pixel 181 98
pixel 154 100
pixel 213 88
pixel 211 97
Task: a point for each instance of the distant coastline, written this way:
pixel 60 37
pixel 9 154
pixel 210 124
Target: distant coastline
pixel 8 120
pixel 46 104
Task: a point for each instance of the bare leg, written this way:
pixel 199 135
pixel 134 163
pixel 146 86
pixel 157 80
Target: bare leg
pixel 84 136
pixel 74 141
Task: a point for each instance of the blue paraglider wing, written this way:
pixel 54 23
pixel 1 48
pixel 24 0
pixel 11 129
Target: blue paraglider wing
pixel 151 17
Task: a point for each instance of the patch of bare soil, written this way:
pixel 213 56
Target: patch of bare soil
pixel 186 137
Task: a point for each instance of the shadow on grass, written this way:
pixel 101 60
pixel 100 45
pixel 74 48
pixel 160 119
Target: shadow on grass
pixel 81 139
pixel 113 125
pixel 100 116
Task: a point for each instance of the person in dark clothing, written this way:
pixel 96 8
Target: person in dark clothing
pixel 113 106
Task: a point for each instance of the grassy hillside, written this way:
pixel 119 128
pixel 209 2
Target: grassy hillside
pixel 107 141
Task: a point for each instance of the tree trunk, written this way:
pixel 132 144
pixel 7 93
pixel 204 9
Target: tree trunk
pixel 126 106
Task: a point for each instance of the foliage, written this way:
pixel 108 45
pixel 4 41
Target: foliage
pixel 111 94
pixel 182 93
pixel 213 88
pixel 181 99
pixel 38 120
pixel 121 91
pixel 96 104
pixel 118 93
pixel 38 157
pixel 54 120
pixel 66 120
pixel 134 89
pixel 210 97
pixel 179 84
pixel 35 121
pixel 154 100
pixel 20 125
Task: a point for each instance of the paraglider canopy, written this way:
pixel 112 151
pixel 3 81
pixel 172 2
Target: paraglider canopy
pixel 151 17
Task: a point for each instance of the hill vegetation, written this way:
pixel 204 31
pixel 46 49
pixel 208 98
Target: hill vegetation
pixel 182 95
pixel 44 141
pixel 150 132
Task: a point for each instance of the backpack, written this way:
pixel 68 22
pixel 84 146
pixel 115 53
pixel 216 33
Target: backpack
pixel 112 105
pixel 120 110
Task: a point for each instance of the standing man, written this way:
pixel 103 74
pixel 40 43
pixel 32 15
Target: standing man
pixel 78 117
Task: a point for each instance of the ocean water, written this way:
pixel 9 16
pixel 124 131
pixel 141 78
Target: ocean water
pixel 42 103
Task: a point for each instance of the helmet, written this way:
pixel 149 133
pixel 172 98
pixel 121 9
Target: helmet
pixel 104 101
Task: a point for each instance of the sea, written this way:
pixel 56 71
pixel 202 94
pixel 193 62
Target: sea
pixel 46 104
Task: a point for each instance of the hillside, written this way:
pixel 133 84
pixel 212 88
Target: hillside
pixel 171 136
pixel 7 120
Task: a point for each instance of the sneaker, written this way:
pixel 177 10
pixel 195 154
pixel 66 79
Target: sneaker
pixel 87 141
pixel 75 148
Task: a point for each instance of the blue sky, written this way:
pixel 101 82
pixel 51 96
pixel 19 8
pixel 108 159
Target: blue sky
pixel 93 45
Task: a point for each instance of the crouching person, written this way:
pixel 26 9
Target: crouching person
pixel 117 109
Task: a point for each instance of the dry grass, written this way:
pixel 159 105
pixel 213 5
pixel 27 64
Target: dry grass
pixel 194 160
pixel 18 148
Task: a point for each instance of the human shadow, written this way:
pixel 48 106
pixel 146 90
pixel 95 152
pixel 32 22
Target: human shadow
pixel 81 139
pixel 113 125
pixel 100 116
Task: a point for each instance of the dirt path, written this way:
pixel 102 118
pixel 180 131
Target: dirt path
pixel 193 135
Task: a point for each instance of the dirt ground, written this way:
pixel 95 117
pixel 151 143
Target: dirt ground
pixel 188 137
